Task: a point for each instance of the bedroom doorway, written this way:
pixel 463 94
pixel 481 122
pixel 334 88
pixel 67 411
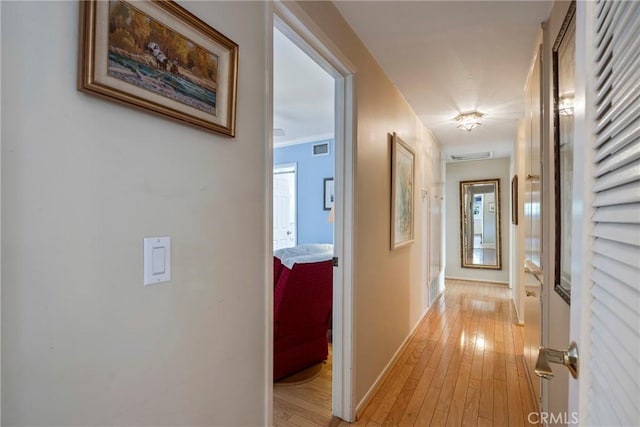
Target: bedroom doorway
pixel 324 143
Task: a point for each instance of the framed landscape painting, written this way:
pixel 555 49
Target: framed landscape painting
pixel 402 183
pixel 157 56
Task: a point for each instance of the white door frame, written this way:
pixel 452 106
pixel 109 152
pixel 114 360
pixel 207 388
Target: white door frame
pixel 294 23
pixel 583 182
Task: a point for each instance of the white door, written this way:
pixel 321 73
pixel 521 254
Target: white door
pixel 604 315
pixel 605 319
pixel 284 206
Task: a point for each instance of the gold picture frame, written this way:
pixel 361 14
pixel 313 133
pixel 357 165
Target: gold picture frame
pixel 157 56
pixel 402 193
pixel 514 200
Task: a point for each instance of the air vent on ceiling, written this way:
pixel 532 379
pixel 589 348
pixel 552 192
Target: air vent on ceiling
pixel 471 156
pixel 321 149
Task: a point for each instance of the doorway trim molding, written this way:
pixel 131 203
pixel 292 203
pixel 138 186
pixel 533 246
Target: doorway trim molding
pixel 299 27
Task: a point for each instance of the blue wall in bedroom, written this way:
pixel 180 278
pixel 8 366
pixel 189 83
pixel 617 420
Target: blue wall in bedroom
pixel 312 219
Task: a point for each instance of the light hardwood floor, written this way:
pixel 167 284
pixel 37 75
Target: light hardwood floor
pixel 462 366
pixel 307 404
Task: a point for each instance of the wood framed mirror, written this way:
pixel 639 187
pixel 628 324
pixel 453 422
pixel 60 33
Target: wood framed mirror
pixel 563 92
pixel 480 224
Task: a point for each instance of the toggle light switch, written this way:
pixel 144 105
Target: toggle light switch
pixel 157 260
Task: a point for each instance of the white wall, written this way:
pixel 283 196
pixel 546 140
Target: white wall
pixel 464 171
pixel 83 181
pixel 389 288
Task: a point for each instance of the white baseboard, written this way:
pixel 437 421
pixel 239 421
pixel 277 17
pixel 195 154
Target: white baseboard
pixel 515 308
pixel 466 279
pixel 378 382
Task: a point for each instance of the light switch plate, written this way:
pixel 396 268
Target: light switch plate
pixel 157 260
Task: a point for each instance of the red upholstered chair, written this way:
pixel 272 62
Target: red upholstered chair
pixel 277 269
pixel 302 316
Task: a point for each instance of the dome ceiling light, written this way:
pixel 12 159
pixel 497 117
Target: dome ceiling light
pixel 468 121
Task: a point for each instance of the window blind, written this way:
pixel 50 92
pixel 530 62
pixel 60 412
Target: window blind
pixel 615 293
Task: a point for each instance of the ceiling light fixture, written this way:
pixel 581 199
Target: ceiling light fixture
pixel 468 121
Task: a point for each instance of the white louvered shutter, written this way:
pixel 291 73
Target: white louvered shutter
pixel 614 392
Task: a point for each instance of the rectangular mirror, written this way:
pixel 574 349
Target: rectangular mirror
pixel 480 224
pixel 564 92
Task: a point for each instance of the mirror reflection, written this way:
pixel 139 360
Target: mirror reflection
pixel 480 224
pixel 564 92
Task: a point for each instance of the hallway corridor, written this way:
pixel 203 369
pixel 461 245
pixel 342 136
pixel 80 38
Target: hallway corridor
pixel 463 366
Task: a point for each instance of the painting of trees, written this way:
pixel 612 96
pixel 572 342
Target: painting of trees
pixel 131 30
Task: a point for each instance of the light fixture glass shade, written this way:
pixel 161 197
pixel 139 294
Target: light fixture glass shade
pixel 468 121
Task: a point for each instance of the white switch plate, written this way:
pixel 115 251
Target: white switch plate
pixel 157 260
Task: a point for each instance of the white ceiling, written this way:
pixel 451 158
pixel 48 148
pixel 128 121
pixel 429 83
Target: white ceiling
pixel 451 57
pixel 303 95
pixel 446 57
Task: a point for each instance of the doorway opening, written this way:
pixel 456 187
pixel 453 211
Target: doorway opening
pixel 324 207
pixel 303 233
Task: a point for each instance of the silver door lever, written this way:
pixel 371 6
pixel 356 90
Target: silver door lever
pixel 568 358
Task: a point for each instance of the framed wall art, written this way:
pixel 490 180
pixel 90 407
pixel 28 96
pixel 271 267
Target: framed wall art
pixel 514 200
pixel 402 188
pixel 328 194
pixel 157 56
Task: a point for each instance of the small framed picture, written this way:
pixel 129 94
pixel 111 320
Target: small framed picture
pixel 329 194
pixel 402 184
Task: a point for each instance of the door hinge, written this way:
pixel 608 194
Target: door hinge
pixel 334 261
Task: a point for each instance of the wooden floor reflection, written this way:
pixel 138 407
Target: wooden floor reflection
pixel 463 366
pixel 481 256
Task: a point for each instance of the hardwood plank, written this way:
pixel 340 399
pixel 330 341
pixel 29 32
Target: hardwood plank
pixel 301 421
pixel 516 417
pixel 486 395
pixel 386 395
pixel 439 418
pixel 396 412
pixel 500 404
pixel 528 405
pixel 472 402
pixel 428 408
pixel 298 408
pixel 392 392
pixel 410 414
pixel 422 356
pixel 458 400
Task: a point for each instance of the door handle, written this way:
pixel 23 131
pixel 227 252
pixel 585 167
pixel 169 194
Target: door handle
pixel 288 233
pixel 568 358
pixel 530 293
